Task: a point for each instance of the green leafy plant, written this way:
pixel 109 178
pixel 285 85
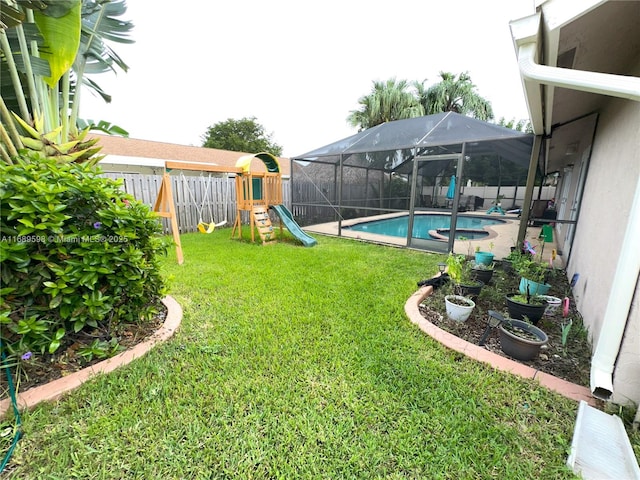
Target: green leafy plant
pixel 531 268
pixel 566 329
pixel 460 272
pixel 75 251
pixel 528 299
pixel 49 49
pixel 99 349
pixel 455 266
pixel 482 266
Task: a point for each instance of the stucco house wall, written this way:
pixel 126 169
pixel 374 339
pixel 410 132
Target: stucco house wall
pixel 610 185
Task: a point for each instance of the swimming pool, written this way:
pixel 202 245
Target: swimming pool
pixel 428 226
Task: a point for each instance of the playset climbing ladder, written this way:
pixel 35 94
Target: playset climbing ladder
pixel 255 193
pixel 260 217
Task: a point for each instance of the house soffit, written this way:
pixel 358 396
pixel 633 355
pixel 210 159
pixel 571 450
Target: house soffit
pixel 605 39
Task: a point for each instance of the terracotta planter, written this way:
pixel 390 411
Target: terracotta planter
pixel 521 340
pixel 519 310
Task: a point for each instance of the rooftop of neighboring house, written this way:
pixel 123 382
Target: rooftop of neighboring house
pixel 133 148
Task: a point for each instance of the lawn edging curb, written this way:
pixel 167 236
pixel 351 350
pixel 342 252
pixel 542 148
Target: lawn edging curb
pixel 563 387
pixel 55 389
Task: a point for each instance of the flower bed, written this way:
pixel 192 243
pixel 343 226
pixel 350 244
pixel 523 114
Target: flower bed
pixel 569 359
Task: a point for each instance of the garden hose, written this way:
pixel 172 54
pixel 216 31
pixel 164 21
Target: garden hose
pixel 14 404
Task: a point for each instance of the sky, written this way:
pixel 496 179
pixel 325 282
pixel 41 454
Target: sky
pixel 298 67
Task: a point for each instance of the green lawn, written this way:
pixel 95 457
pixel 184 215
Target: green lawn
pixel 297 362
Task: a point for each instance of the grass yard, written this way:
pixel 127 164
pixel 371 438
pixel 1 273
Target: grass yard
pixel 297 362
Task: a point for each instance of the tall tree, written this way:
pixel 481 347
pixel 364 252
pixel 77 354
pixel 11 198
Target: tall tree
pixel 521 125
pixel 454 94
pixel 244 135
pixel 388 101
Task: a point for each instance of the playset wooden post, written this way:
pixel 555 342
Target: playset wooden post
pixel 165 208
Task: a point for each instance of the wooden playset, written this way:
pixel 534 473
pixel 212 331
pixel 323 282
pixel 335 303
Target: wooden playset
pixel 256 192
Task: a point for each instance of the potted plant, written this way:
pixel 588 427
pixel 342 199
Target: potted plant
pixel 459 308
pixel 459 270
pixel 520 339
pixel 534 275
pixel 526 306
pixel 482 272
pixel 485 258
pixel 510 260
pixel 553 304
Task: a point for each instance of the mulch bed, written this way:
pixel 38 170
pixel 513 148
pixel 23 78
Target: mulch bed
pixel 42 369
pixel 570 361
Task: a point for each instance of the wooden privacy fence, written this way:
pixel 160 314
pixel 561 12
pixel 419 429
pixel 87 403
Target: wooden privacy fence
pixel 213 197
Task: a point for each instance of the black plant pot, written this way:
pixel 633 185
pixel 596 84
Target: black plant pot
pixel 517 310
pixel 481 275
pixel 514 344
pixel 507 266
pixel 470 290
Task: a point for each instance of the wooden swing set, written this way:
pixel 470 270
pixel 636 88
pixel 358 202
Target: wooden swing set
pixel 255 193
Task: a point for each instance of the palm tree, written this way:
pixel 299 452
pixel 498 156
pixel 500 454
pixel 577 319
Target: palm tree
pixel 45 49
pixel 522 125
pixel 388 101
pixel 453 94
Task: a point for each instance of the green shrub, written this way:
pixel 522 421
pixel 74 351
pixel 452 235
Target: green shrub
pixel 76 253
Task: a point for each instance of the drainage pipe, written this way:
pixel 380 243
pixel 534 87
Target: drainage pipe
pixel 627 271
pixel 625 281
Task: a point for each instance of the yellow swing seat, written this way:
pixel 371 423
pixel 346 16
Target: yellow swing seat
pixel 206 227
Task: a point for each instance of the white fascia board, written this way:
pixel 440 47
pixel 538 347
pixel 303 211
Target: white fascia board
pixel 111 159
pixel 125 164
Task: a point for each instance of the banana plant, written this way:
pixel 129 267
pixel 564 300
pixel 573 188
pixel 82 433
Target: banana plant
pixel 47 49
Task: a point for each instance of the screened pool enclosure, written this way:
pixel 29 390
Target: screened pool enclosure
pixel 415 165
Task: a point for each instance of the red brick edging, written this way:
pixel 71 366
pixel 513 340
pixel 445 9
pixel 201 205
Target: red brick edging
pixel 55 389
pixel 568 389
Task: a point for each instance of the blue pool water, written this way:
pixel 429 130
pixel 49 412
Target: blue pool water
pixel 468 227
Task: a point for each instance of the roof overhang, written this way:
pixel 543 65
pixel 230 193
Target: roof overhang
pixel 573 57
pixel 128 164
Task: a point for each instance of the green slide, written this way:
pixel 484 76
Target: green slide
pixel 287 218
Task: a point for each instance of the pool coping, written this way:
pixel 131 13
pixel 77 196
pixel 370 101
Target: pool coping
pixel 478 353
pixel 56 388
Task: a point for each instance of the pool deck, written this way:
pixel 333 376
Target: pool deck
pixel 502 236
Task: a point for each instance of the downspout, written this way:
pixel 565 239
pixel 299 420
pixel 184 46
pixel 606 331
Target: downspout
pixel 623 286
pixel 619 305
